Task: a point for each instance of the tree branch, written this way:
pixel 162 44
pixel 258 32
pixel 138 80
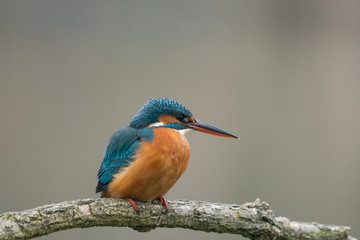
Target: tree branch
pixel 253 220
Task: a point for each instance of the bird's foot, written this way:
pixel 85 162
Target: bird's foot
pixel 133 203
pixel 164 202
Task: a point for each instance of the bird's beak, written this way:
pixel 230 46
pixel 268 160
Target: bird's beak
pixel 207 128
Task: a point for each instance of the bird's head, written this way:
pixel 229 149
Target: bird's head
pixel 170 113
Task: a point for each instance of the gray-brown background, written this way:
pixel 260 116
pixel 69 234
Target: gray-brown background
pixel 282 75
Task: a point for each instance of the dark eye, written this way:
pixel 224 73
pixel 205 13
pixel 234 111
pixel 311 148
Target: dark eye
pixel 180 118
pixel 184 119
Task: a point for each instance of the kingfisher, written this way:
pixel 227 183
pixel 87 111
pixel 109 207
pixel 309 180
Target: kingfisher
pixel 145 159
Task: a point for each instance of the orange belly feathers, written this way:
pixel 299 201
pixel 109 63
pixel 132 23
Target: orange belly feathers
pixel 157 166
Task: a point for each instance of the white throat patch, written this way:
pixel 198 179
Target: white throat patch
pixel 159 124
pixel 182 132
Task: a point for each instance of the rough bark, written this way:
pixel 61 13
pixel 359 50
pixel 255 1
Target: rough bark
pixel 252 220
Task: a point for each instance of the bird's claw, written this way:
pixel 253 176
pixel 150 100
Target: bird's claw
pixel 164 202
pixel 133 203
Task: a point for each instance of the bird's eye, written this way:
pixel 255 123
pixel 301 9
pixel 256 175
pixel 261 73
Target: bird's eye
pixel 186 120
pixel 180 118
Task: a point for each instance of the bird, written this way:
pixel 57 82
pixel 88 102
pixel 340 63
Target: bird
pixel 143 160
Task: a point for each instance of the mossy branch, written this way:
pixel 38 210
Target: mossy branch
pixel 253 220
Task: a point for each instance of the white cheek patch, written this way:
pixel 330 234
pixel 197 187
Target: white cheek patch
pixel 156 124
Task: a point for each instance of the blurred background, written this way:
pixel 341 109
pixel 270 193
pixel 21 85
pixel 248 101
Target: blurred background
pixel 282 75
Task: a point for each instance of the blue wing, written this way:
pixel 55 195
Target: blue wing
pixel 122 147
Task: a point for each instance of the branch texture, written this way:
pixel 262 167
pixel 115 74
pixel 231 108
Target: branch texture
pixel 252 220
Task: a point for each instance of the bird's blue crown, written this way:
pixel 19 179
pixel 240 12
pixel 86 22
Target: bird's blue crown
pixel 156 107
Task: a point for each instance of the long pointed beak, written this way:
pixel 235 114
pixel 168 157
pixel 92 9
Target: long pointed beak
pixel 207 128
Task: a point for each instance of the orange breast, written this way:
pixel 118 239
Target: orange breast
pixel 158 165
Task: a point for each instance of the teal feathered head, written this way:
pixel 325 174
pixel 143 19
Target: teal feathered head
pixel 157 107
